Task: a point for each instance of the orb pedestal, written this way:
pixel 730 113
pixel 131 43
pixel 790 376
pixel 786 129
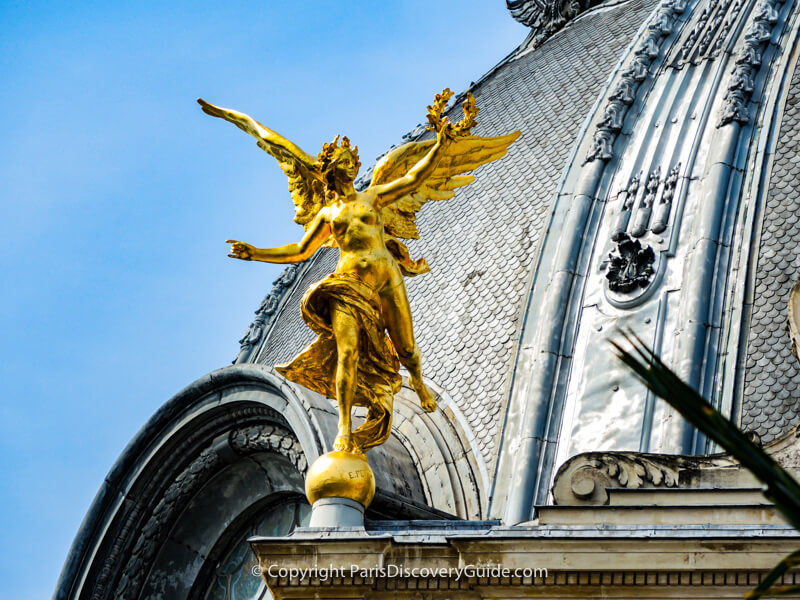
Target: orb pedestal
pixel 339 486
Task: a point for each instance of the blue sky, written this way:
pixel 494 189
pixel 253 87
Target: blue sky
pixel 118 193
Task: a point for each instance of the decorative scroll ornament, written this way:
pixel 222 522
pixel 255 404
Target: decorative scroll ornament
pixel 265 313
pixel 585 478
pixel 642 222
pixel 748 62
pixel 548 16
pixel 732 17
pixel 664 207
pixel 630 266
pixel 624 94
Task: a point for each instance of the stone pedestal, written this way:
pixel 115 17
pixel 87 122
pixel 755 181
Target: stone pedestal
pixel 337 512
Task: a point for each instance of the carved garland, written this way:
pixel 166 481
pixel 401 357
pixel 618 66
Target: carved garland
pixel 269 438
pixel 248 440
pixel 748 62
pixel 625 92
pixel 548 16
pixel 184 486
pixel 133 518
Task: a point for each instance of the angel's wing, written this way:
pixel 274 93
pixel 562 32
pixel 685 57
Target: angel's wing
pixel 305 179
pixel 464 154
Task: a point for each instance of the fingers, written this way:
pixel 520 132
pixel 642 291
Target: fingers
pixel 242 256
pixel 240 250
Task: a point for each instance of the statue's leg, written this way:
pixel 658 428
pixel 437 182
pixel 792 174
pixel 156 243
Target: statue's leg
pixel 397 316
pixel 346 332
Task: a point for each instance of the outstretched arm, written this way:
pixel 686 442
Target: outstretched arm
pixel 269 140
pixel 317 234
pixel 391 192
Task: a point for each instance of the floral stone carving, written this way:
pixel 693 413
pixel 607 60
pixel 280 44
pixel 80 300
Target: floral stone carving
pixel 630 266
pixel 585 478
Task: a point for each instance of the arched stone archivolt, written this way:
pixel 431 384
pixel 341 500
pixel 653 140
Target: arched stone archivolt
pixel 228 446
pixel 448 459
pixel 241 425
pixel 231 570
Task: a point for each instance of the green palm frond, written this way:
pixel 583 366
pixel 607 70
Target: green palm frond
pixel 779 487
pixel 765 587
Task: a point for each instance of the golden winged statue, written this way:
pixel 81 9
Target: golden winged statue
pixel 353 309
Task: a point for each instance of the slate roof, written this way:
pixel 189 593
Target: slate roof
pixel 771 403
pixel 480 245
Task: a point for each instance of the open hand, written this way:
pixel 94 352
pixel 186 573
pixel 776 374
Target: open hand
pixel 446 132
pixel 241 250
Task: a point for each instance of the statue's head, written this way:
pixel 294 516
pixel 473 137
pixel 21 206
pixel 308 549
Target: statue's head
pixel 339 162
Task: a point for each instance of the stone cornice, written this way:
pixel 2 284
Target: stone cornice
pixel 730 559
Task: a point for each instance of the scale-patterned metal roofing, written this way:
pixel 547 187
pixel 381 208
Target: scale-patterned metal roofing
pixel 772 377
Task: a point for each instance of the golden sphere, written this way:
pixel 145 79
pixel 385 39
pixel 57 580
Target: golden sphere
pixel 341 475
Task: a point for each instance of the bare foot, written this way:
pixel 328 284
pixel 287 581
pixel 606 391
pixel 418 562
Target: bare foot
pixel 425 398
pixel 344 443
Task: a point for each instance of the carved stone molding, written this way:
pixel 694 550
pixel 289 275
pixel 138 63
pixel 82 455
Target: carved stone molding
pixel 786 449
pixel 545 17
pixel 624 94
pixel 584 478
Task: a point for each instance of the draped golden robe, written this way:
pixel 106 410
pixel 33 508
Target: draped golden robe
pixel 378 379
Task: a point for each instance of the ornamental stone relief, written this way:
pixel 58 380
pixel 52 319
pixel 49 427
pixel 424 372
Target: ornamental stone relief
pixel 632 265
pixel 706 38
pixel 624 93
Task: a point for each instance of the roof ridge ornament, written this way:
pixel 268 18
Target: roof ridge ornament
pixel 546 17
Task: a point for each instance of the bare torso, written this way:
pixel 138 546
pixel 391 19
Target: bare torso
pixel 358 230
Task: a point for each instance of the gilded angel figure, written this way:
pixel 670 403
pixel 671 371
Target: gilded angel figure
pixel 360 312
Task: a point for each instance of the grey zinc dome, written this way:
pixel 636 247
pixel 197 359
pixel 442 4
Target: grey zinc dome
pixel 482 243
